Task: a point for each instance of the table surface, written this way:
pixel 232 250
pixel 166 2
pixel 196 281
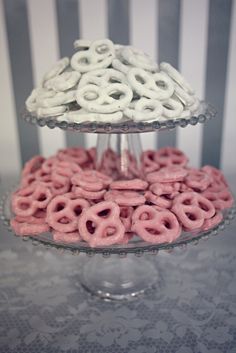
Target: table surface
pixel 192 309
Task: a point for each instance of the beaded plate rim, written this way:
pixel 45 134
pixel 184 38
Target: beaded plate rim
pixel 204 113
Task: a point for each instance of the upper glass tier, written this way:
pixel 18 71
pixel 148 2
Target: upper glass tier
pixel 204 113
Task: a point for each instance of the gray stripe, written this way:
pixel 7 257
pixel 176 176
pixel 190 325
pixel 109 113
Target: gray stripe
pixel 118 21
pixel 21 69
pixel 68 31
pixel 168 49
pixel 217 56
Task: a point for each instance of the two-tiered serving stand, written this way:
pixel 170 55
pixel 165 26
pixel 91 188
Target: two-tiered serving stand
pixel 120 271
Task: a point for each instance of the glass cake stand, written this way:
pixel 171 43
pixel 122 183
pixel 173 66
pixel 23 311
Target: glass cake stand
pixel 119 276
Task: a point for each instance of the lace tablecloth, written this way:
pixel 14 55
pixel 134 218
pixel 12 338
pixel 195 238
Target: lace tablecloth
pixel 192 309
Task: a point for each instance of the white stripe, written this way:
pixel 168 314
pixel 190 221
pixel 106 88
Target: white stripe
pixel 93 25
pixel 45 52
pixel 143 35
pixel 9 141
pixel 193 49
pixel 229 133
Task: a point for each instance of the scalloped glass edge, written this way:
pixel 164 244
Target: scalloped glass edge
pixel 204 113
pixel 137 247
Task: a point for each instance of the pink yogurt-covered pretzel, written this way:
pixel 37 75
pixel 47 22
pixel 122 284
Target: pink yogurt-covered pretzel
pixel 133 184
pixel 27 180
pixel 77 155
pixel 43 176
pixel 125 198
pixel 170 189
pixel 72 237
pixel 63 213
pixel 89 195
pixel 67 169
pixel 59 184
pixel 169 156
pixel 32 165
pixel 184 188
pixel 215 173
pixel 158 226
pixel 28 200
pixel 212 222
pixel 144 213
pixel 91 180
pixel 192 209
pixel 60 176
pixel 162 201
pixel 216 186
pixel 49 164
pixel 100 225
pixel 56 183
pixel 167 175
pixel 126 238
pixel 197 180
pixel 39 217
pixel 23 228
pixel 126 216
pixel 221 200
pixel 148 163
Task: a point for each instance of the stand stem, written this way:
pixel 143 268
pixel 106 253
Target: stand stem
pixel 116 278
pixel 119 155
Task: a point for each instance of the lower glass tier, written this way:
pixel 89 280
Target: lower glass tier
pixel 135 246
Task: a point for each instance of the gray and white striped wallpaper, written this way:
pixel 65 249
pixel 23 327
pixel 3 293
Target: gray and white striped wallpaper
pixel 196 36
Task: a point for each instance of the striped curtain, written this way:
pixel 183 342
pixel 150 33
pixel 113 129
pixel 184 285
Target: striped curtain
pixel 197 37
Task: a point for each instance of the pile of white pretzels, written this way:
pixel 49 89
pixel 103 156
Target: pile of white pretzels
pixel 105 82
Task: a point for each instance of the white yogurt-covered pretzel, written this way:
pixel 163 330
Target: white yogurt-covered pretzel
pixel 185 98
pixel 155 86
pixel 85 61
pixel 98 56
pixel 51 111
pixel 119 63
pixel 82 44
pixel 82 115
pixel 100 100
pixel 145 110
pixel 121 66
pixel 102 48
pixel 57 69
pixel 176 76
pixel 64 81
pixel 172 109
pixel 31 102
pixel 102 77
pixel 47 99
pixel 138 58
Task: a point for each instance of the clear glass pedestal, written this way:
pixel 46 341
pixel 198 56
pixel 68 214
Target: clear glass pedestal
pixel 117 278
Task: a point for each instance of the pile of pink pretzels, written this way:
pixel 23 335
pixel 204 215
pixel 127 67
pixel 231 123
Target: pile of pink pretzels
pixel 65 195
